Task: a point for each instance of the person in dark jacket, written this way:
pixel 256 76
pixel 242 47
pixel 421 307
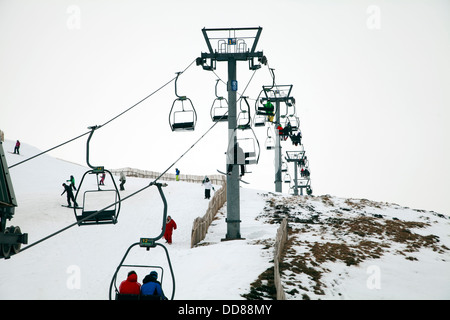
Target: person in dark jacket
pixel 152 287
pixel 17 147
pixel 68 191
pixel 130 285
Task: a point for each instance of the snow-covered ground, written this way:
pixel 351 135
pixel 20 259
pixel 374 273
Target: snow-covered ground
pixel 79 263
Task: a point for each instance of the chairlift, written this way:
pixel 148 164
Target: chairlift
pixel 108 199
pixel 243 148
pixel 284 167
pixel 149 244
pixel 219 112
pixel 244 118
pixel 259 120
pixel 182 116
pixel 263 105
pixel 294 121
pixel 287 178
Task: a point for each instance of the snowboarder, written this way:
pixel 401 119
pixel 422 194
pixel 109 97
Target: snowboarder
pixel 208 186
pixel 152 287
pixel 122 180
pixel 130 285
pixel 102 179
pixel 177 174
pixel 68 191
pixel 170 226
pixel 17 147
pixel 72 183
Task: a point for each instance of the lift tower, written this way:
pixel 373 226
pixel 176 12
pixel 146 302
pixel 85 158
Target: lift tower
pixel 277 94
pixel 232 45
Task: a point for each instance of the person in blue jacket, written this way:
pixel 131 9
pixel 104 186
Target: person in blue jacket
pixel 151 286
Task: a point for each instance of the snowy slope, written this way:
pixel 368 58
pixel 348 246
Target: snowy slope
pixel 48 269
pixel 80 262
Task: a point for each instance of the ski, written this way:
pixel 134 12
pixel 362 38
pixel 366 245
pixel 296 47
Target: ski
pixel 64 205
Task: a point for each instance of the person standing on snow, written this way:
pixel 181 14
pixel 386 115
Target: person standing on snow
pixel 130 285
pixel 102 179
pixel 68 190
pixel 208 185
pixel 177 174
pixel 72 182
pixel 122 180
pixel 170 226
pixel 17 147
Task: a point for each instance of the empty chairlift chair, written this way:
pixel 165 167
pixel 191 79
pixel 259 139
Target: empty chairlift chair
pixel 100 206
pixel 270 141
pixel 219 108
pixel 183 116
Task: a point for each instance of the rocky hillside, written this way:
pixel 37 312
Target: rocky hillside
pixel 358 249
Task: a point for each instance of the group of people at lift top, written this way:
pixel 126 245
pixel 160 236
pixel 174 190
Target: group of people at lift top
pixel 150 285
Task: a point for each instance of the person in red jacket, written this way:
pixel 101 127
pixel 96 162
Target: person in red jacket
pixel 130 285
pixel 170 226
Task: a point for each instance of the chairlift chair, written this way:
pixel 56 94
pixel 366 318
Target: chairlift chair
pixel 219 112
pixel 287 178
pixel 102 215
pixel 294 122
pixel 259 120
pixel 244 118
pixel 107 212
pixel 243 148
pixel 270 141
pixel 149 244
pixel 263 105
pixel 182 116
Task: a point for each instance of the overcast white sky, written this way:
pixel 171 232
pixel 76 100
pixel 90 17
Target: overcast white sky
pixel 371 80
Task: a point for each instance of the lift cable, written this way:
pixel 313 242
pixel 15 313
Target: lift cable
pixel 152 183
pixel 121 200
pixel 107 122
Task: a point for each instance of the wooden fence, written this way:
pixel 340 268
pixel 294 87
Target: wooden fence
pixel 280 242
pixel 201 224
pixel 217 179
